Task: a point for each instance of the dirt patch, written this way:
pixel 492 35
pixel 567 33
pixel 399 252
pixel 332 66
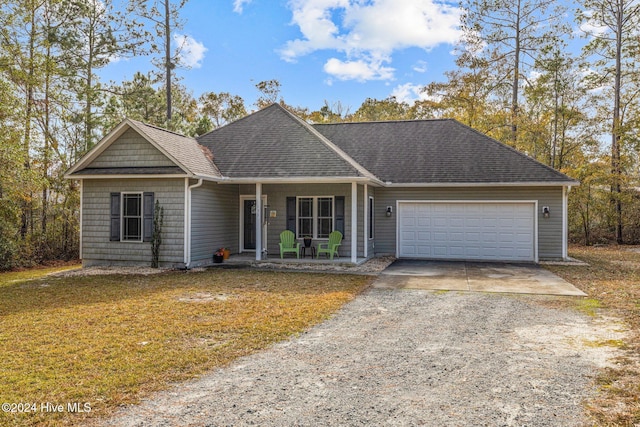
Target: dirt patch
pixel 201 297
pixel 599 340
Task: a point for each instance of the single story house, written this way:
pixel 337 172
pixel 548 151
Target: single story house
pixel 430 189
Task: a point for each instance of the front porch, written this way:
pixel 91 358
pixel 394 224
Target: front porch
pixel 249 259
pixel 307 209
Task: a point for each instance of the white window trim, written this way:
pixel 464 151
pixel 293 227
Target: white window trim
pixel 122 221
pixel 315 217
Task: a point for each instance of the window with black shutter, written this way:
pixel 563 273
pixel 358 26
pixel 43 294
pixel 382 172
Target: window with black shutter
pixel 131 217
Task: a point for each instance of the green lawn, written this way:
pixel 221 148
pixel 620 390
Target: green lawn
pixel 97 342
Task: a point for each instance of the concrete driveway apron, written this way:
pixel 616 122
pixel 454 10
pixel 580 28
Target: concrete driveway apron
pixel 474 276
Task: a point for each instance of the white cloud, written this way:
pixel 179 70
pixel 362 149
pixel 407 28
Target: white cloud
pixel 409 93
pixel 369 31
pixel 421 67
pixel 238 5
pixel 591 27
pixel 360 70
pixel 191 51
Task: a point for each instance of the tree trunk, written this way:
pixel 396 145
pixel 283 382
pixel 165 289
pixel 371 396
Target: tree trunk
pixel 27 205
pixel 616 169
pixel 516 82
pixel 168 65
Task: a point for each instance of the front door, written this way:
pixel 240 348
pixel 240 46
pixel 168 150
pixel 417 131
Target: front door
pixel 248 223
pixel 249 226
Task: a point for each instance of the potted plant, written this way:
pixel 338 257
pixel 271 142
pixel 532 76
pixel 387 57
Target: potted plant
pixel 218 256
pixel 307 241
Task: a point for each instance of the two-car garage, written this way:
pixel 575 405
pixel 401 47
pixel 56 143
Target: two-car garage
pixel 467 230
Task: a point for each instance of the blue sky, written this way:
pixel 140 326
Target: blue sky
pixel 335 50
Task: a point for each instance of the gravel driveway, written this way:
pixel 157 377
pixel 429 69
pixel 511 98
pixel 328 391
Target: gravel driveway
pixel 403 357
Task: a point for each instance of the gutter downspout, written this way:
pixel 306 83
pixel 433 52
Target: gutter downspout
pixel 187 219
pixel 565 221
pixel 81 217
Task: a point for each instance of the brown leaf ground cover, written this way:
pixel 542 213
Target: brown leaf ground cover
pixel 612 281
pixel 91 344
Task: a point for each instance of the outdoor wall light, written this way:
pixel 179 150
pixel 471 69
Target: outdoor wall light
pixel 389 211
pixel 545 211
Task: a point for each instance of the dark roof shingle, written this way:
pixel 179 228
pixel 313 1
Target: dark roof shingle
pixel 183 149
pixel 435 151
pixel 272 143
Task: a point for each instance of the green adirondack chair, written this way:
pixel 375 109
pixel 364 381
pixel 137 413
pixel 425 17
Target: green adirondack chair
pixel 330 248
pixel 288 243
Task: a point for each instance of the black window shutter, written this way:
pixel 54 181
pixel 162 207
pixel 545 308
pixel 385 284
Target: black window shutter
pixel 114 227
pixel 291 214
pixel 147 219
pixel 339 200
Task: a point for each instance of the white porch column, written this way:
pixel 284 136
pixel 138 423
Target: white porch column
pixel 354 222
pixel 365 231
pixel 258 221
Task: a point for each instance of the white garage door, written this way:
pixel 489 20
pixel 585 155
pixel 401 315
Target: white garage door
pixel 488 231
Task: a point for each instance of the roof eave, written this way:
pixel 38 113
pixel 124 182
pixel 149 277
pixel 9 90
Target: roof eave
pixel 126 176
pixel 484 184
pixel 79 175
pixel 301 180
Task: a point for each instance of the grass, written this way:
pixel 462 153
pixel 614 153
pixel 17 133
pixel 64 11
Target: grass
pixel 612 281
pixel 32 273
pixel 110 340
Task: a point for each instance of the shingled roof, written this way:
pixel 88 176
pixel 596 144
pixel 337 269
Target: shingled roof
pixel 436 152
pixel 184 150
pixel 273 143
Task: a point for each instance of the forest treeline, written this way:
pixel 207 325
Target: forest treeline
pixel 518 78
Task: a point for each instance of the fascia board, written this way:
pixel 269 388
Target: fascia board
pixel 483 184
pixel 297 180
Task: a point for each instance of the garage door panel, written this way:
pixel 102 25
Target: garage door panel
pixel 467 230
pixel 439 221
pixel 424 236
pixel 440 236
pixel 424 221
pixel 489 236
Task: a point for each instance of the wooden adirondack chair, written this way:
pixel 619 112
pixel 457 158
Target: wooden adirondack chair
pixel 330 248
pixel 288 243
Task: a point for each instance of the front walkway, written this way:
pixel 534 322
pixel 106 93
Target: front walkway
pixel 249 258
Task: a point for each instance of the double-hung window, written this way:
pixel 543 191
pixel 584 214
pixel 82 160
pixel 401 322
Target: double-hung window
pixel 132 217
pixel 315 217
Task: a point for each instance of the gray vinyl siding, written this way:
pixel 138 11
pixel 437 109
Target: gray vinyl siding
pixel 214 220
pixel 277 197
pixel 549 229
pixel 96 247
pixel 131 150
